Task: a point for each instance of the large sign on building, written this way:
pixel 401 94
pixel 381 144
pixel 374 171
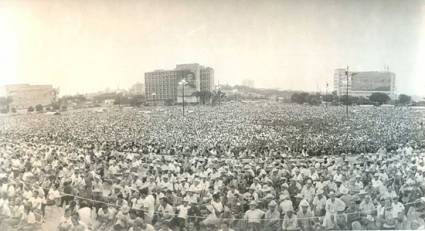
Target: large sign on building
pixel 371 81
pixel 364 83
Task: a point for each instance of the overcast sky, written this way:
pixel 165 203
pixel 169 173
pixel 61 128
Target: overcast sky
pixel 86 46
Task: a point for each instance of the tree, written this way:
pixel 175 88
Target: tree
pixel 39 108
pixel 379 98
pixel 217 96
pixel 30 109
pixel 300 98
pixel 314 99
pixel 404 99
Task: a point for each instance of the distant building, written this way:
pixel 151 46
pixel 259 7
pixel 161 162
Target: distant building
pixel 25 95
pixel 364 83
pixel 163 85
pixel 137 89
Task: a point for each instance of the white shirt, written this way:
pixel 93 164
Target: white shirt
pixel 183 211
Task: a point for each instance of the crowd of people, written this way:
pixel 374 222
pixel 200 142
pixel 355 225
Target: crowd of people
pixel 259 166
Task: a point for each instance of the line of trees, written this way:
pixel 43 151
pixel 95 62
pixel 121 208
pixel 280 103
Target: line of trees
pixel 376 98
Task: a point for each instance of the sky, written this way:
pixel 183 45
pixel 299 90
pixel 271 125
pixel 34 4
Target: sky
pixel 87 46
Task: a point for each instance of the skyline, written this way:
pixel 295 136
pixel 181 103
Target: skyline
pixel 84 47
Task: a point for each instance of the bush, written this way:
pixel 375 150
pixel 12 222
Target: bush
pixel 404 99
pixel 379 98
pixel 30 109
pixel 39 108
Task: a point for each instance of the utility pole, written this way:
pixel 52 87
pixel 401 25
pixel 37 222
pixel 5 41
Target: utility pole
pixel 346 95
pixel 182 83
pixel 183 100
pixel 326 95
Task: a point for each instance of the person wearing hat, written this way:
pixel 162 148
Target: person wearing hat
pixel 77 224
pixel 253 217
pixel 388 219
pixel 182 214
pixel 366 206
pixel 285 203
pixel 333 205
pixel 290 221
pixel 148 205
pixel 304 216
pixel 308 191
pixel 104 218
pixel 165 210
pixel 319 203
pixel 272 217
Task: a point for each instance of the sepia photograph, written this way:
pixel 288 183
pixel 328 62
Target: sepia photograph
pixel 223 115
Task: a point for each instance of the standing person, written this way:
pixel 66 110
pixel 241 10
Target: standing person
pixel 77 225
pixel 304 216
pixel 319 204
pixel 272 217
pixel 253 217
pixel 85 214
pixel 332 206
pixel 67 190
pixel 149 205
pixel 194 214
pixel 285 204
pixel 290 222
pixel 105 218
pixel 388 218
pixel 182 214
pixel 165 211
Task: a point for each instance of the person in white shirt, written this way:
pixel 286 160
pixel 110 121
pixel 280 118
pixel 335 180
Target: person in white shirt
pixel 85 214
pixel 253 217
pixel 182 214
pixel 285 204
pixel 148 205
pixel 333 205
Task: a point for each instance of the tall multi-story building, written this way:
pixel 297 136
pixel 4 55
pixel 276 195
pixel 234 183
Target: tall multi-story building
pixel 163 85
pixel 364 83
pixel 25 95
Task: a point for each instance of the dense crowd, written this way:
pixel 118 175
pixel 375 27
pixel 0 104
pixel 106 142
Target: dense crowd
pixel 234 167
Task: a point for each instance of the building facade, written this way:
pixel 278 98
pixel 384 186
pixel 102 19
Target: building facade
pixel 364 83
pixel 25 95
pixel 163 85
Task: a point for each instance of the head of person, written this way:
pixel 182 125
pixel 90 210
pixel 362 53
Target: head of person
pixel 225 226
pixel 289 212
pixel 304 206
pixel 332 195
pixel 252 205
pixel 272 205
pixel 163 201
pixel 75 218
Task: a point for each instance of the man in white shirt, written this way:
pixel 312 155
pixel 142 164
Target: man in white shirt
pixel 253 217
